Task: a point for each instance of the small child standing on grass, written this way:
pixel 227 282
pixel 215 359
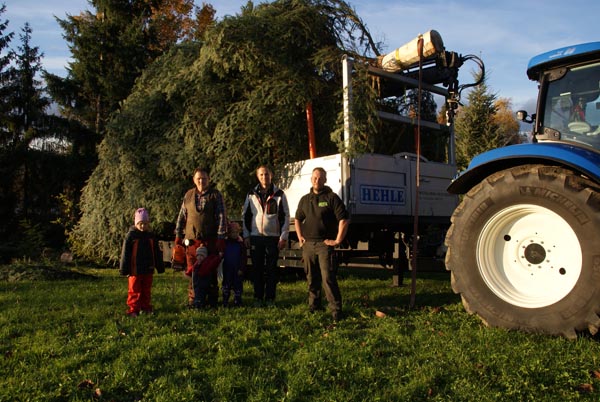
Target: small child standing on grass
pixel 234 265
pixel 204 269
pixel 140 256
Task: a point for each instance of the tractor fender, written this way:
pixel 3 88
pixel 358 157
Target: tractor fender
pixel 581 159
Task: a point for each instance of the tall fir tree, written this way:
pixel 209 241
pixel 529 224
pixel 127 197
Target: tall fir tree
pixel 7 195
pixel 28 114
pixel 231 102
pixel 476 127
pixel 32 174
pixel 111 46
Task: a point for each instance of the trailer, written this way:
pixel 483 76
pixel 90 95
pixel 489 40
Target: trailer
pixel 391 198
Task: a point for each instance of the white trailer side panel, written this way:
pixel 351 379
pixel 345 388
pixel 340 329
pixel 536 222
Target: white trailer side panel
pixel 385 185
pixel 377 185
pixel 295 179
pixel 434 199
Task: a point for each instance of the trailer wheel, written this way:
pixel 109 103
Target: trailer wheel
pixel 524 251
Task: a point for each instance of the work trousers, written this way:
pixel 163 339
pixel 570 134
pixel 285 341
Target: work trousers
pixel 264 254
pixel 320 272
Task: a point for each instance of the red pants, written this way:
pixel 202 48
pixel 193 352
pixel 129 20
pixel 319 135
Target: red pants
pixel 139 294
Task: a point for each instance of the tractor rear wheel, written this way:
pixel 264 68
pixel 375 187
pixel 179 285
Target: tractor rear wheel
pixel 524 251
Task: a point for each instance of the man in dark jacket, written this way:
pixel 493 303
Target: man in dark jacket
pixel 321 223
pixel 266 227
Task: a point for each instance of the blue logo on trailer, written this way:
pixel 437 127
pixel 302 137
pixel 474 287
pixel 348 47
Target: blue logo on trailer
pixel 382 195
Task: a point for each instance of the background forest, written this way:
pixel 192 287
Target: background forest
pixel 157 88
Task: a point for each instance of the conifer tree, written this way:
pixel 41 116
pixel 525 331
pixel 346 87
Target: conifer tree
pixel 111 46
pixel 31 171
pixel 231 102
pixel 28 115
pixel 476 127
pixel 7 195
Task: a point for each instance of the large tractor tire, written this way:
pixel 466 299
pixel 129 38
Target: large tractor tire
pixel 524 251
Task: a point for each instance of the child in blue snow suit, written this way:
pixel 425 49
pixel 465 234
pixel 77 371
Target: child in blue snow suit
pixel 234 265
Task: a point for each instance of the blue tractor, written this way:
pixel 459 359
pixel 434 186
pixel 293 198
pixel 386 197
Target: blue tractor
pixel 524 243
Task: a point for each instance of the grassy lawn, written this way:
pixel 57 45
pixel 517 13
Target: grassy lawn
pixel 66 338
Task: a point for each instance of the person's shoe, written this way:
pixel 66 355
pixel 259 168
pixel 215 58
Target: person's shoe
pixel 313 309
pixel 258 303
pixel 337 316
pixel 269 303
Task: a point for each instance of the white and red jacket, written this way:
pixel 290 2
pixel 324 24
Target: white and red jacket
pixel 266 214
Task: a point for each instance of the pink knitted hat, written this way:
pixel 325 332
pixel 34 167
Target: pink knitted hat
pixel 141 215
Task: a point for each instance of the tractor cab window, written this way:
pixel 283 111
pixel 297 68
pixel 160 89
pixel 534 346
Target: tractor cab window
pixel 573 105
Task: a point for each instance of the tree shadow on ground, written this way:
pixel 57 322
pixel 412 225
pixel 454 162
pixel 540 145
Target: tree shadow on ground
pixel 22 272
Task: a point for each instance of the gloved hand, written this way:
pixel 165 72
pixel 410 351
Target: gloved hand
pixel 178 241
pixel 220 245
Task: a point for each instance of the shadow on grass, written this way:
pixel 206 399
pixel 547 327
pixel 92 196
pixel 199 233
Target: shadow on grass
pixel 433 289
pixel 425 299
pixel 372 288
pixel 21 272
pixel 384 273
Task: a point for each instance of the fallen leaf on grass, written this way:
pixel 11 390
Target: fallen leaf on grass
pixel 587 388
pixel 596 374
pixel 97 393
pixel 85 384
pixel 380 314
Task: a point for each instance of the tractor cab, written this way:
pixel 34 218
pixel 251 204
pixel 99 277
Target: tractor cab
pixel 569 100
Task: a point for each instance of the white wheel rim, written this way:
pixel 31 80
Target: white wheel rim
pixel 529 256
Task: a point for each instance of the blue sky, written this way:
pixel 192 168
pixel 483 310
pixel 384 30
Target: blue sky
pixel 505 34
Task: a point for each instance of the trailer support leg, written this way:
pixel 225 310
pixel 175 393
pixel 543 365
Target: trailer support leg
pixel 400 259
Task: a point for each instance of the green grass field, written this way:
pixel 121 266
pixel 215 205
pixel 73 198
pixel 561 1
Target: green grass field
pixel 65 337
